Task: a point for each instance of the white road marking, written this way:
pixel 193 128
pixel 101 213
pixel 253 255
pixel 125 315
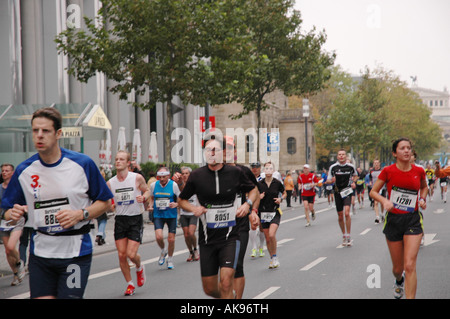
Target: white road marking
pixel 314 263
pixel 365 231
pixel 429 239
pixel 303 216
pixel 283 241
pixel 106 273
pixel 152 260
pixel 266 293
pixel 25 295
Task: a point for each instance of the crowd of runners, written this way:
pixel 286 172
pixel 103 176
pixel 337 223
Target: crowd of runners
pixel 57 194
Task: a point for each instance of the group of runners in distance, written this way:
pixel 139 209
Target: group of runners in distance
pixel 58 193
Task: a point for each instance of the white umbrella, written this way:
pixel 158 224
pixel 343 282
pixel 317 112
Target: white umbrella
pixel 137 150
pixel 101 153
pixel 153 148
pixel 108 150
pixel 105 154
pixel 121 140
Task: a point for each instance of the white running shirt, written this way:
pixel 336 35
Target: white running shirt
pixel 125 193
pixel 74 182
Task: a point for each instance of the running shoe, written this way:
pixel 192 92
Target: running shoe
pixel 344 241
pixel 190 258
pixel 253 254
pixel 162 258
pixel 16 281
pixel 21 271
pixel 130 290
pixel 349 241
pixel 271 263
pixel 196 255
pixel 100 240
pixel 313 215
pixel 399 289
pixel 261 252
pixel 169 264
pixel 140 276
pixel 276 262
pixel 307 224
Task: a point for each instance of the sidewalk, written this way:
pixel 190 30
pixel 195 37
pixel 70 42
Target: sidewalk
pixel 148 236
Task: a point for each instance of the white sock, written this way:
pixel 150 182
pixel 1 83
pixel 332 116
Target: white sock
pixel 253 235
pixel 261 239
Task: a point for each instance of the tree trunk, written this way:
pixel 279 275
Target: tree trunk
pixel 167 133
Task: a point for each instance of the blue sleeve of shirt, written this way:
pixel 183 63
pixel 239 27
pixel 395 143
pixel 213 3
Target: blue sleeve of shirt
pixel 98 190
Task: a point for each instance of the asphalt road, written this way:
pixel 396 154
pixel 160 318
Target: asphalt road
pixel 314 265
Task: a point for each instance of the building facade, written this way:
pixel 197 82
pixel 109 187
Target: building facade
pixel 33 75
pixel 439 104
pixel 277 118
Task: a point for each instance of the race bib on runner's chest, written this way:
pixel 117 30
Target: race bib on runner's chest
pixel 404 199
pixel 124 196
pixel 46 214
pixel 221 216
pixel 162 203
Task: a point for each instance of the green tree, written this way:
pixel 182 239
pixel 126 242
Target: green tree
pixel 370 115
pixel 282 57
pixel 185 48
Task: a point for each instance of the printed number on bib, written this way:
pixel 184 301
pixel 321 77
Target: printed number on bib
pixel 46 214
pixel 346 191
pixel 266 217
pixel 220 216
pixel 404 199
pixel 124 196
pixel 162 203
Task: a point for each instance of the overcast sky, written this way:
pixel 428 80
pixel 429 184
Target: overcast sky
pixel 409 37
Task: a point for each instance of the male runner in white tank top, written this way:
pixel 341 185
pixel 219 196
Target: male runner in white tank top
pixel 130 192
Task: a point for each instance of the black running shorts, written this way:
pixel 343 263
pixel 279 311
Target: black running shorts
pixel 398 225
pixel 218 255
pixel 341 202
pixel 130 227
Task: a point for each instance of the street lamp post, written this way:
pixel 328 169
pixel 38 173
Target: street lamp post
pixel 306 115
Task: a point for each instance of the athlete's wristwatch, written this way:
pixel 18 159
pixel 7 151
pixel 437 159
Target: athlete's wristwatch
pixel 250 203
pixel 85 214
